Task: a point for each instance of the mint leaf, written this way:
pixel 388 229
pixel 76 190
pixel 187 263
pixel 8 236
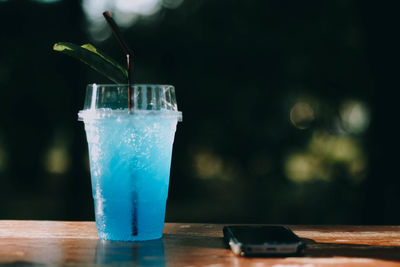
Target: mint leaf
pixel 97 60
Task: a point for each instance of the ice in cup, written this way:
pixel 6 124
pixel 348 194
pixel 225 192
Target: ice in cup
pixel 130 157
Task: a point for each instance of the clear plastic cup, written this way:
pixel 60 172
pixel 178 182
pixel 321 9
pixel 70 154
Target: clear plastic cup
pixel 130 157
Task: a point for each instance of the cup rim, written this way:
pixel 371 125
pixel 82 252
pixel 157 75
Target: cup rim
pixel 126 85
pixel 92 110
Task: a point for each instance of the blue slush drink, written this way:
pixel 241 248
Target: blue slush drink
pixel 130 158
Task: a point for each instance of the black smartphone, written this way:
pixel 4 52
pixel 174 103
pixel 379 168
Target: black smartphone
pixel 263 241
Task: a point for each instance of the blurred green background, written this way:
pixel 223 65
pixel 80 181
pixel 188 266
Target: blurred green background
pixel 289 107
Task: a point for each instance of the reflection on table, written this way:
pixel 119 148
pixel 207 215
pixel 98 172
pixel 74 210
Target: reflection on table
pixel 149 253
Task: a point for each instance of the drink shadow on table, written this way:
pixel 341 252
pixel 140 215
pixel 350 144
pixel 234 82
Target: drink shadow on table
pixel 148 253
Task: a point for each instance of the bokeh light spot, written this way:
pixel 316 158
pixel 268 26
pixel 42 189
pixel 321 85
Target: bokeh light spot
pixel 57 160
pixel 125 13
pixel 302 115
pixel 298 167
pixel 324 153
pixel 208 165
pixel 344 149
pixel 355 116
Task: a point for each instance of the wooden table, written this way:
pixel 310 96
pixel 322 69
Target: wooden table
pixel 28 243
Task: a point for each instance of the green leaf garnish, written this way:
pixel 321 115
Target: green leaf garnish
pixel 96 59
pixel 105 57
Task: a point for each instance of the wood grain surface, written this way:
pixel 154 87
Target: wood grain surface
pixel 41 243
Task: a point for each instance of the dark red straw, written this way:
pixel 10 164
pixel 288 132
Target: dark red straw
pixel 129 67
pixel 127 51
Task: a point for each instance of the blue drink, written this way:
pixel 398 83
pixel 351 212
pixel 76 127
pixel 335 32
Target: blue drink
pixel 130 159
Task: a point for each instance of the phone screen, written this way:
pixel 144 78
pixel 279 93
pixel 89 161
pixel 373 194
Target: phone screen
pixel 263 234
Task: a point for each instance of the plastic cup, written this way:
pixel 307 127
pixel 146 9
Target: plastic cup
pixel 130 157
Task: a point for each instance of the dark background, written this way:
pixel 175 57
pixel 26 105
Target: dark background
pixel 290 109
